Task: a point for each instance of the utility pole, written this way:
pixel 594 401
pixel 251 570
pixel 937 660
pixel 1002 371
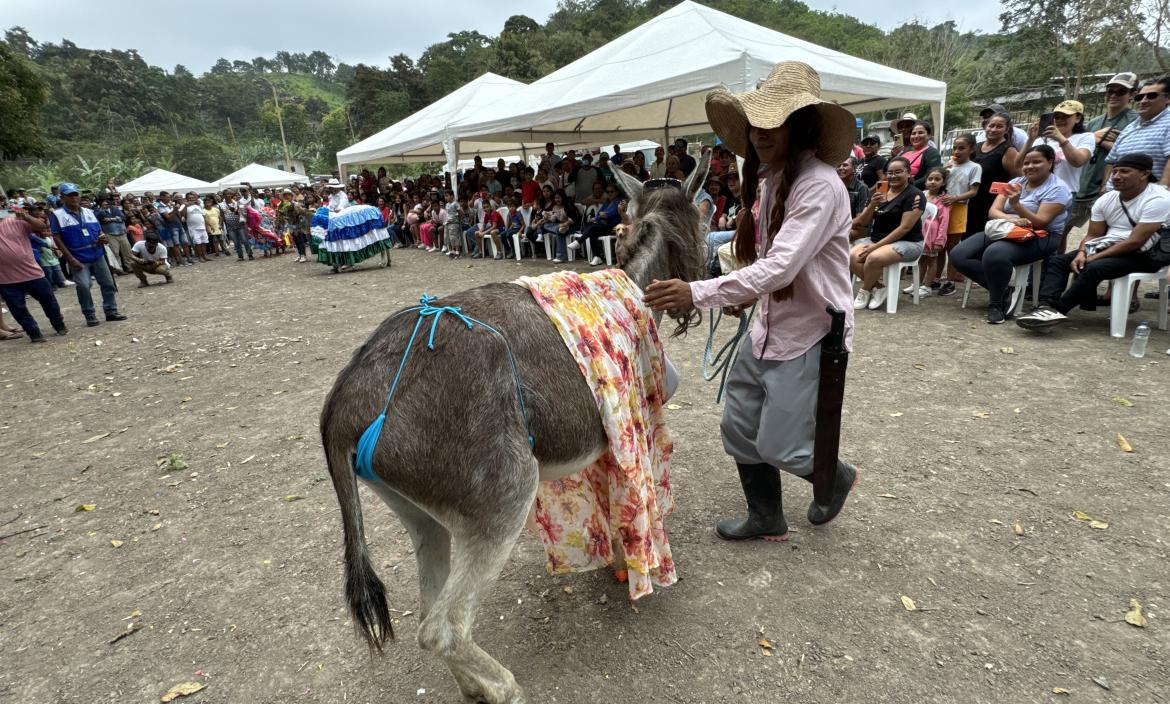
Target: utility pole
pixel 232 132
pixel 280 122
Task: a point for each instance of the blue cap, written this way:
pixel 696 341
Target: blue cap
pixel 68 189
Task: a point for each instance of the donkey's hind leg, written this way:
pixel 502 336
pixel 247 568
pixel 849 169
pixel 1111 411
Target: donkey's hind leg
pixel 432 544
pixel 482 538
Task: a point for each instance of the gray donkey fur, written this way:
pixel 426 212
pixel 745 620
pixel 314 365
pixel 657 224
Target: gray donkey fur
pixel 454 457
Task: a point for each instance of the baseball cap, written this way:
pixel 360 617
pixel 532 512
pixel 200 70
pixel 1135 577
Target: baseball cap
pixel 1070 107
pixel 1141 162
pixel 871 139
pixel 1127 79
pixel 994 109
pixel 68 189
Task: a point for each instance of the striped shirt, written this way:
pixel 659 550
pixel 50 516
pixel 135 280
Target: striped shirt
pixel 1144 137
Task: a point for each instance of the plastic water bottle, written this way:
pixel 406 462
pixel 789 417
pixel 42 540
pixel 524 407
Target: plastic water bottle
pixel 1140 337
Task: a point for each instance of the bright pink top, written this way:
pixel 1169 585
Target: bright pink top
pixel 17 263
pixel 810 252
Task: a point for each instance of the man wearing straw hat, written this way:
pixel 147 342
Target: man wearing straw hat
pixel 782 408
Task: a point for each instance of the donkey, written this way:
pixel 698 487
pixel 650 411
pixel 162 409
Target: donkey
pixel 455 462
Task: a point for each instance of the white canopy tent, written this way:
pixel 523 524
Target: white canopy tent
pixel 652 81
pixel 260 176
pixel 420 136
pixel 163 180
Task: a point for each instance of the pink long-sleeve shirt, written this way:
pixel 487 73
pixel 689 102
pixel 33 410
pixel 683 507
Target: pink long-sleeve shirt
pixel 810 252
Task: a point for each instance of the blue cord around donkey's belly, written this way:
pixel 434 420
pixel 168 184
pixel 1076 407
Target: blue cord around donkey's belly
pixel 364 456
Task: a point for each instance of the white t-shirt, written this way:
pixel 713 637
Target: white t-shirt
pixel 1068 174
pixel 158 255
pixel 1151 205
pixel 195 219
pixel 961 177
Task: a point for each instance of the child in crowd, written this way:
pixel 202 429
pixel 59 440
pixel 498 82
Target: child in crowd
pixel 934 231
pixel 51 264
pixel 962 185
pixel 453 229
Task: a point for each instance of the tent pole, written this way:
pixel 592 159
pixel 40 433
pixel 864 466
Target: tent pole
pixel 451 149
pixel 666 127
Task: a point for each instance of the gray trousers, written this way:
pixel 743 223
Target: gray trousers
pixel 769 410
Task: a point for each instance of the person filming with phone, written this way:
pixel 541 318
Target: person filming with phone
pixel 1063 129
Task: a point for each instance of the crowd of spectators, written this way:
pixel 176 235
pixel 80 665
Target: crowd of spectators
pixel 1005 199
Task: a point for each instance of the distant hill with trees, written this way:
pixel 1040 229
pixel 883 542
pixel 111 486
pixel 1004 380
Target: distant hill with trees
pixel 72 112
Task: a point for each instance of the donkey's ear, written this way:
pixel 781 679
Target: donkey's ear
pixel 698 177
pixel 631 186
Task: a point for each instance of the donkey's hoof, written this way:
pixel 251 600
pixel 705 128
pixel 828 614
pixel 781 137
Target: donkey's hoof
pixel 509 695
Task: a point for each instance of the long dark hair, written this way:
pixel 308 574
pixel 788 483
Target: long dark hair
pixel 804 129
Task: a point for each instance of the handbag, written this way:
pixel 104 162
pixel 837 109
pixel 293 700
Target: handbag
pixel 1159 253
pixel 999 229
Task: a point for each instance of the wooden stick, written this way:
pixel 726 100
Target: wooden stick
pixel 20 532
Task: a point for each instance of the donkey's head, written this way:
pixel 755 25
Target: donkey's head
pixel 665 240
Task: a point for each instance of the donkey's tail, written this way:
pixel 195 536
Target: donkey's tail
pixel 364 591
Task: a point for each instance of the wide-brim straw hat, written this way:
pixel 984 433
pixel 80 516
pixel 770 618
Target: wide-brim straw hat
pixel 790 86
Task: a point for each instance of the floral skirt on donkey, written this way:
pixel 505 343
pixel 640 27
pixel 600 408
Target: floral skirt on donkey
pixel 626 493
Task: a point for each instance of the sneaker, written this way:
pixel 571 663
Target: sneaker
pixel 114 317
pixel 92 322
pixel 596 261
pixel 498 256
pixel 935 285
pixel 923 291
pixel 575 244
pixel 445 249
pixel 558 260
pixel 1043 318
pixel 862 300
pixel 909 289
pixel 995 315
pixel 36 338
pixel 430 249
pixel 947 289
pixel 62 330
pixel 540 239
pixel 477 255
pixel 69 283
pixel 452 254
pixel 877 298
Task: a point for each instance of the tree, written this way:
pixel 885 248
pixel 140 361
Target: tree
pixel 316 108
pixel 450 64
pixel 320 64
pixel 515 53
pixel 202 158
pixel 1066 39
pixel 222 67
pixel 22 93
pixel 19 40
pixel 1153 16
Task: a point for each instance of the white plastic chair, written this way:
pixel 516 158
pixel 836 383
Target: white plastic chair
pixel 517 240
pixel 606 244
pixel 1020 282
pixel 1121 291
pixel 893 277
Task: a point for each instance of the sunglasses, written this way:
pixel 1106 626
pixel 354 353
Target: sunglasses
pixel 1147 96
pixel 1117 91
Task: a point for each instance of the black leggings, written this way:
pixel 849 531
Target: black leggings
pixel 990 264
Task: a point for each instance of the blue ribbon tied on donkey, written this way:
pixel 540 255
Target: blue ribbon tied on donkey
pixel 364 455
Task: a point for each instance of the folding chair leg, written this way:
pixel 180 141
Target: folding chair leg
pixel 966 293
pixel 516 244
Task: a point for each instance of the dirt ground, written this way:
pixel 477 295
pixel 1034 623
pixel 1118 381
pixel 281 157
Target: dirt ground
pixel 966 436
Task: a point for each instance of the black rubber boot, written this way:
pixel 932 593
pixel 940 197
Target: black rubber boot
pixel 846 477
pixel 765 519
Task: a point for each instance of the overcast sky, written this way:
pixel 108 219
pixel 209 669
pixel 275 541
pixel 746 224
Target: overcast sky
pixel 354 32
